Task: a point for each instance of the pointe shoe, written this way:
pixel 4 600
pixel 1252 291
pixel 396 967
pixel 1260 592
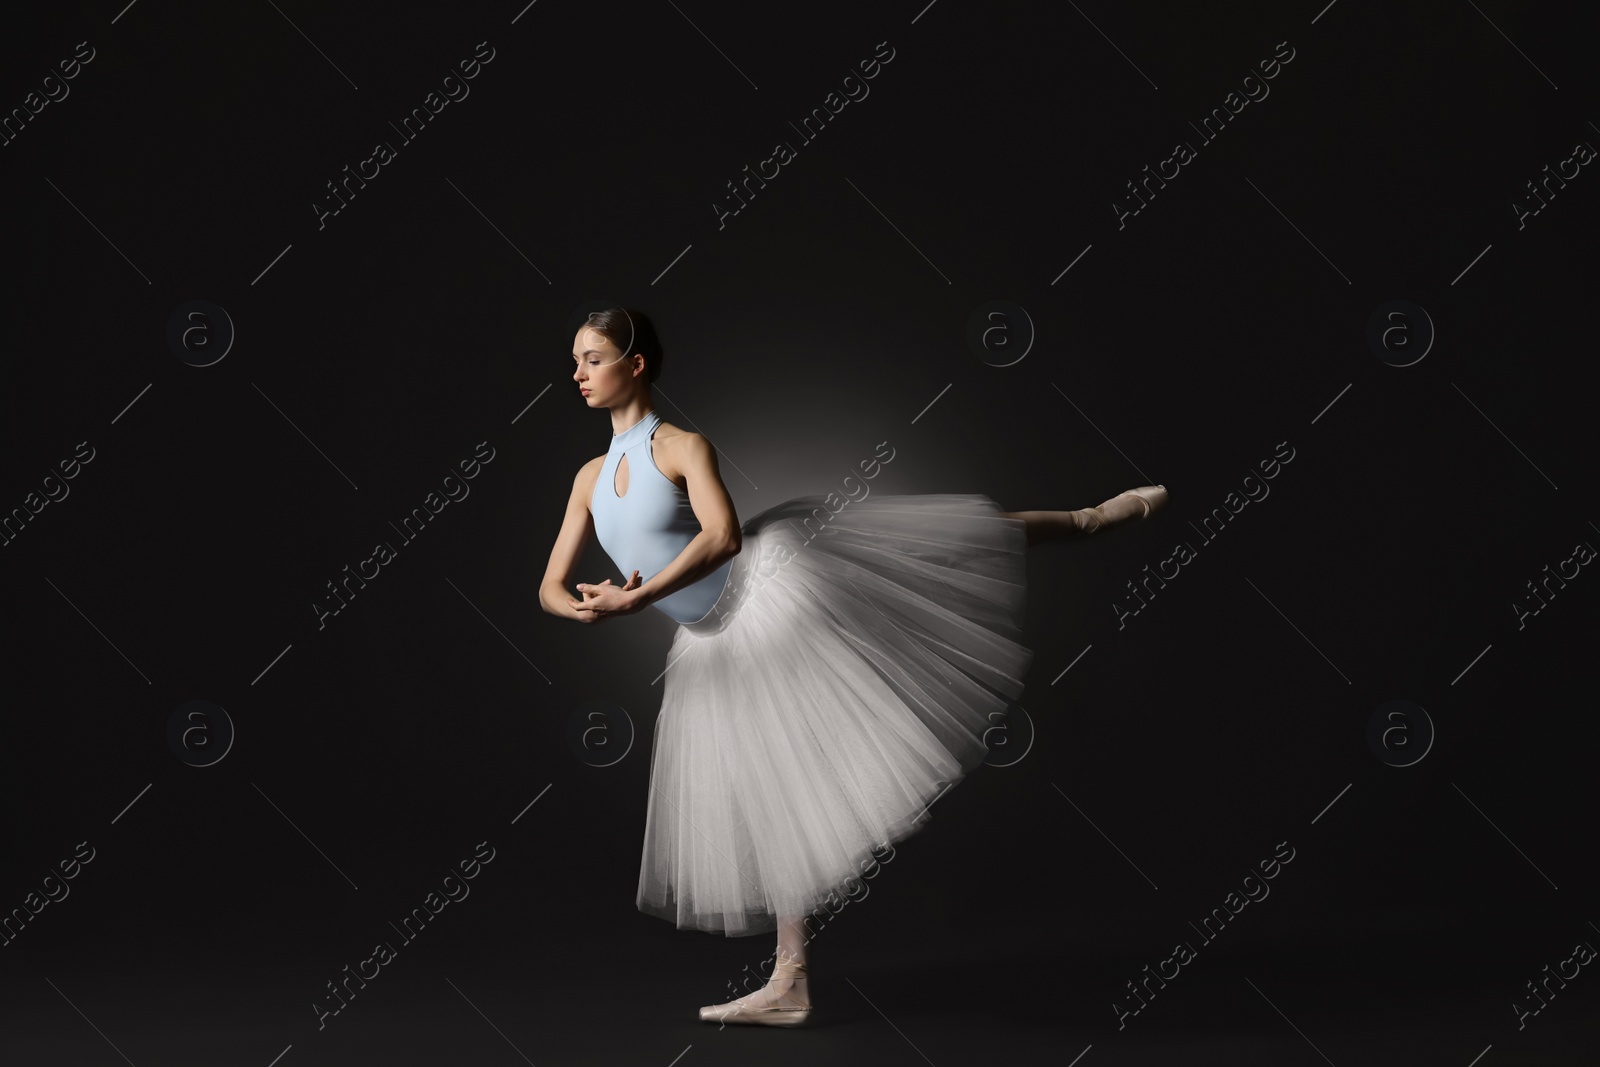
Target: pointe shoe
pixel 777 1015
pixel 1151 496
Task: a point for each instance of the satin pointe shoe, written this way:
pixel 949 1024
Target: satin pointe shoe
pixel 784 1013
pixel 1151 497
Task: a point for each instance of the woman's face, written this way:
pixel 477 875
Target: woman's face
pixel 599 370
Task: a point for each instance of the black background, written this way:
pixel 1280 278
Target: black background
pixel 373 352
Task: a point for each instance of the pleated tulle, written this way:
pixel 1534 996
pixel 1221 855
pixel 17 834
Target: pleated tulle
pixel 826 700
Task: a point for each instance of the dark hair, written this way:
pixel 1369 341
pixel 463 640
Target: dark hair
pixel 633 333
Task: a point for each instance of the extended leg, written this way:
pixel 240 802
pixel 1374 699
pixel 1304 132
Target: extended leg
pixel 1124 507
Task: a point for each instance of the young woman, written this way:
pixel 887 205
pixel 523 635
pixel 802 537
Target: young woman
pixel 836 666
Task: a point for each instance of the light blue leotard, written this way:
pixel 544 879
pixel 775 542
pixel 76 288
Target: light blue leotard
pixel 647 528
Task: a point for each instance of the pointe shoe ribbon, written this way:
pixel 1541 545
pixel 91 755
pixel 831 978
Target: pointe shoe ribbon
pixel 733 1012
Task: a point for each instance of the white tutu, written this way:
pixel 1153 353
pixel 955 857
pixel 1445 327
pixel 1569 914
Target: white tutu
pixel 845 677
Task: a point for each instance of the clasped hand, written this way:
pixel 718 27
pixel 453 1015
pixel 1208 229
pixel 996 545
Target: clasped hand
pixel 602 601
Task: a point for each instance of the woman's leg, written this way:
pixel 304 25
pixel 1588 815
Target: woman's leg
pixel 787 987
pixel 788 970
pixel 1124 507
pixel 1047 525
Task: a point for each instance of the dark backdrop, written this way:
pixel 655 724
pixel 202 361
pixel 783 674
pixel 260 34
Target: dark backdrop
pixel 1351 275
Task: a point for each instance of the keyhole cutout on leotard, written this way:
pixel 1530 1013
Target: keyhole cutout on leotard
pixel 619 477
pixel 619 480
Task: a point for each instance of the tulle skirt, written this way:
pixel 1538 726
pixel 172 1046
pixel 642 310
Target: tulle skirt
pixel 844 680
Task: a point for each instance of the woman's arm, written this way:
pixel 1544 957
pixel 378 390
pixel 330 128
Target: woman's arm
pixel 719 538
pixel 575 530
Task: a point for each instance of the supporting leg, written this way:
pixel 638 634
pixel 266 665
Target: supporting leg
pixel 785 998
pixel 792 938
pixel 789 970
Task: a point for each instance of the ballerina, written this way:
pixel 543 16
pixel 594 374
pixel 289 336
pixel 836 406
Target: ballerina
pixel 835 669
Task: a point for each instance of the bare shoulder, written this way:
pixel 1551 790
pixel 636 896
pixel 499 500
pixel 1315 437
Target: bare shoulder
pixel 588 475
pixel 676 448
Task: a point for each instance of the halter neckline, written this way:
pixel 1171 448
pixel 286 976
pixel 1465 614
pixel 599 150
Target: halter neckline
pixel 639 431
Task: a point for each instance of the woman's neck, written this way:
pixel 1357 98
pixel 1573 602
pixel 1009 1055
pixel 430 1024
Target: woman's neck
pixel 629 414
